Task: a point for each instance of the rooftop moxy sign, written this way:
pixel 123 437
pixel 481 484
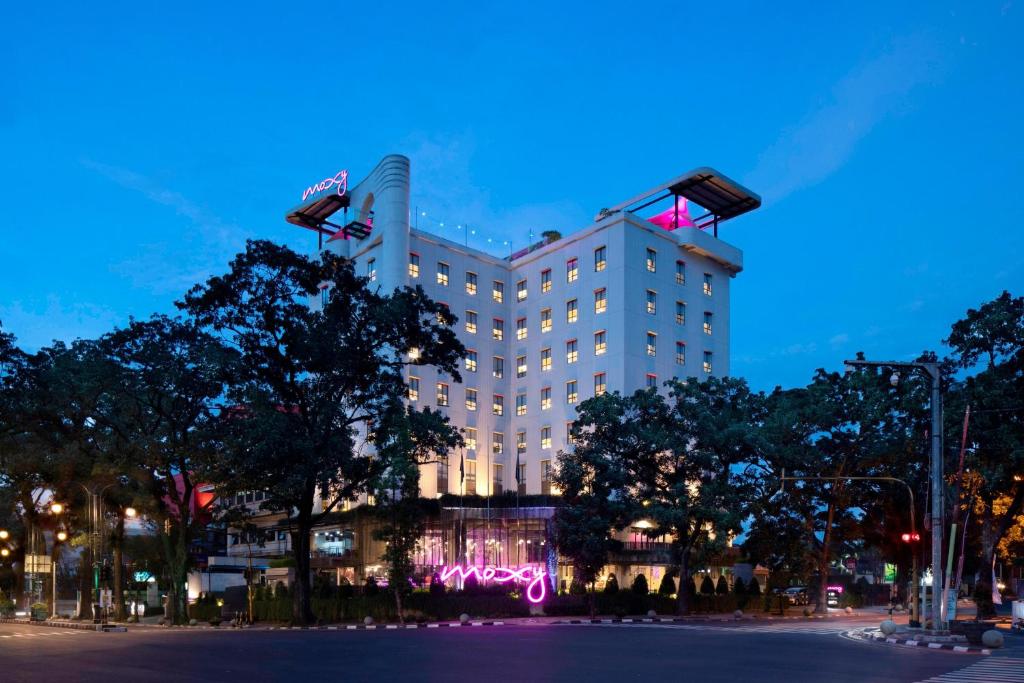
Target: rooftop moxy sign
pixel 534 577
pixel 338 180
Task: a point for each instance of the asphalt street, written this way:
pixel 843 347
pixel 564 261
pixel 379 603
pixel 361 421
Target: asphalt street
pixel 794 652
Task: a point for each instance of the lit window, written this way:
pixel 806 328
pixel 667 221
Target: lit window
pixel 571 311
pixel 498 329
pixel 498 291
pixel 521 441
pixel 498 404
pixel 600 301
pixel 414 353
pixel 545 443
pixel 600 342
pixel 371 269
pixel 414 264
pixel 571 351
pixel 442 394
pixel 568 433
pixel 471 283
pixel 707 362
pixel 571 392
pixel 652 344
pixel 442 274
pixel 471 360
pixel 471 399
pixel 520 366
pixel 443 314
pixel 471 322
pixel 680 273
pixel 497 443
pixel 442 475
pixel 520 404
pixel 707 322
pixel 498 368
pixel 521 290
pixel 652 301
pixel 470 483
pixel 707 283
pixel 545 320
pixel 572 270
pixel 680 353
pixel 498 485
pixel 545 281
pixel 652 381
pixel 680 313
pixel 521 329
pixel 545 360
pixel 545 475
pixel 652 260
pixel 470 439
pixel 600 260
pixel 414 388
pixel 599 384
pixel 545 398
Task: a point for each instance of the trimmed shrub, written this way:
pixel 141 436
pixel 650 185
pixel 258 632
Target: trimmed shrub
pixel 707 586
pixel 723 586
pixel 471 585
pixel 371 587
pixel 754 587
pixel 577 588
pixel 611 586
pixel 639 586
pixel 668 585
pixel 739 589
pixel 436 586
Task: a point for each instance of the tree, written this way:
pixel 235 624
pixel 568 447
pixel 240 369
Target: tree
pixel 311 379
pixel 639 586
pixel 667 585
pixel 707 586
pixel 722 586
pixel 611 586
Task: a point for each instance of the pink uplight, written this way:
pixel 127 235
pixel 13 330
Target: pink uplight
pixel 536 589
pixel 674 217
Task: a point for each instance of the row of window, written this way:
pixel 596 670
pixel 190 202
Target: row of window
pixel 498 480
pixel 571 274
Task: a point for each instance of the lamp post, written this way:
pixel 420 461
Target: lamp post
pixel 931 371
pixel 60 538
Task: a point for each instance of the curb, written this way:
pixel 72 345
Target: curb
pixel 99 628
pixel 877 637
pixel 681 620
pixel 384 627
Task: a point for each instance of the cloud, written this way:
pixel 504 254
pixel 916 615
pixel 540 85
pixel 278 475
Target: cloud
pixel 817 146
pixel 202 245
pixel 38 324
pixel 839 340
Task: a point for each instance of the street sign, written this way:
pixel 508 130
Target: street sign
pixel 106 598
pixel 142 577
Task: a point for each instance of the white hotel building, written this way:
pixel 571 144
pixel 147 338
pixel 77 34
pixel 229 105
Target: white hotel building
pixel 625 303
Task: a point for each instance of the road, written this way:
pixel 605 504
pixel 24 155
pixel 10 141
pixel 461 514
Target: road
pixel 787 651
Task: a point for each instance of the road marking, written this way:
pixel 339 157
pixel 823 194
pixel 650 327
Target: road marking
pixel 767 628
pixel 989 670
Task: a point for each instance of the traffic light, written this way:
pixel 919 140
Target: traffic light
pixel 908 538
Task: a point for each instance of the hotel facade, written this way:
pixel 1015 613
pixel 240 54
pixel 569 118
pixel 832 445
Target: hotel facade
pixel 638 297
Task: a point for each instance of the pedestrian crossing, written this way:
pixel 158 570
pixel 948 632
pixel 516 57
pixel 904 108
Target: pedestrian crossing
pixel 43 633
pixel 992 669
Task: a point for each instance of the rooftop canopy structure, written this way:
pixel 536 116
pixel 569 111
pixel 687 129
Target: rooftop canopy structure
pixel 320 202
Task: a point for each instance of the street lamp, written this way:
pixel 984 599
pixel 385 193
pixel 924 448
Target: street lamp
pixel 931 370
pixel 130 512
pixel 4 534
pixel 56 508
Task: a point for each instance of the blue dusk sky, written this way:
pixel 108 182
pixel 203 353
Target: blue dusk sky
pixel 141 143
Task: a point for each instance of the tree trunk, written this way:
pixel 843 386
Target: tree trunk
pixel 398 605
pixel 302 612
pixel 683 592
pixel 85 579
pixel 119 613
pixel 826 545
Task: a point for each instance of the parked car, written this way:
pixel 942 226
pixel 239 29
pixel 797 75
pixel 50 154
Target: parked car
pixel 797 595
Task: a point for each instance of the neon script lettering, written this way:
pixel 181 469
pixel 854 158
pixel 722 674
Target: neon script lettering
pixel 339 180
pixel 536 589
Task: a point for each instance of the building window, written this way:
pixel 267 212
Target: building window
pixel 470 439
pixel 414 353
pixel 707 322
pixel 498 329
pixel 521 329
pixel 498 291
pixel 652 381
pixel 707 362
pixel 680 273
pixel 571 311
pixel 444 314
pixel 545 438
pixel 652 301
pixel 600 301
pixel 442 394
pixel 471 283
pixel 325 295
pixel 414 264
pixel 442 273
pixel 680 313
pixel 371 269
pixel 471 399
pixel 499 479
pixel 571 351
pixel 498 367
pixel 652 260
pixel 521 479
pixel 521 290
pixel 521 442
pixel 680 353
pixel 600 342
pixel 600 260
pixel 442 475
pixel 520 404
pixel 545 476
pixel 471 322
pixel 414 388
pixel 545 320
pixel 652 344
pixel 497 443
pixel 520 366
pixel 568 434
pixel 471 360
pixel 545 281
pixel 498 404
pixel 572 270
pixel 471 476
pixel 572 394
pixel 600 384
pixel 707 283
pixel 545 398
pixel 545 360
